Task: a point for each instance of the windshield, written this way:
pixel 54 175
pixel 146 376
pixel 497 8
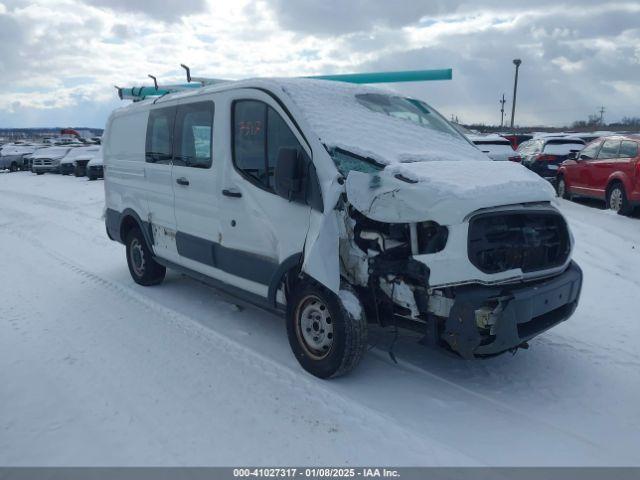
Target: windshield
pixel 372 124
pixel 408 109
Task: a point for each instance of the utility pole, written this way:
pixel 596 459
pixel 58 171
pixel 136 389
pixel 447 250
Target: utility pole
pixel 502 102
pixel 602 110
pixel 517 63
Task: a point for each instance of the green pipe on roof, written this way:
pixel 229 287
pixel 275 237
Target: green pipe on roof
pixel 360 78
pixel 389 77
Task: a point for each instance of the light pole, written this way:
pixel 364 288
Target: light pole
pixel 517 63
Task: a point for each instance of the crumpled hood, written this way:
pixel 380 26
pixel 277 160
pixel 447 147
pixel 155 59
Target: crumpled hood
pixel 443 191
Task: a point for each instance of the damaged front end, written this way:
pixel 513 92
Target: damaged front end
pixel 479 281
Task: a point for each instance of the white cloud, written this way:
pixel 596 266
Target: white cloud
pixel 64 56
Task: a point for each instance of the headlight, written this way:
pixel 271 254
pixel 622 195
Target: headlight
pixel 432 237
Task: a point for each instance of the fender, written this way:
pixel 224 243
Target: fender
pixel 278 275
pixel 621 177
pixel 115 219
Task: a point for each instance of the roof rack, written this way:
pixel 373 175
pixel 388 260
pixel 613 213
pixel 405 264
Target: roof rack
pixel 140 93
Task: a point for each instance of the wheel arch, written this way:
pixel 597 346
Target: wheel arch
pixel 119 224
pixel 290 264
pixel 617 177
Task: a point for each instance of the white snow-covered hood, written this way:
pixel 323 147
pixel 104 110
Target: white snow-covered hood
pixel 443 191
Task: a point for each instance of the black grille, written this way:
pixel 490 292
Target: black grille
pixel 527 240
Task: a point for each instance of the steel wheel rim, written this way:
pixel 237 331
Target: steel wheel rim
pixel 615 200
pixel 314 327
pixel 137 257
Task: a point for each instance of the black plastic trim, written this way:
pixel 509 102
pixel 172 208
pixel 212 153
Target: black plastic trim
pixel 236 262
pixel 276 278
pixel 235 294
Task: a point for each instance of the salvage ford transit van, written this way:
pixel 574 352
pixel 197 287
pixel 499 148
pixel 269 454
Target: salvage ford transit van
pixel 338 205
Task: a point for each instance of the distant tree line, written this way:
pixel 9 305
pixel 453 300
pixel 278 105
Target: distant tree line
pixel 629 124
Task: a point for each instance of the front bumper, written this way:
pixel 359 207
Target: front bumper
pixel 95 171
pixel 517 313
pixel 45 168
pixel 548 171
pixel 66 168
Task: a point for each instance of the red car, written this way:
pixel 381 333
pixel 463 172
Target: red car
pixel 607 168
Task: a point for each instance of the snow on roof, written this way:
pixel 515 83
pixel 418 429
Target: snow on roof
pixel 489 138
pixel 340 120
pixel 46 152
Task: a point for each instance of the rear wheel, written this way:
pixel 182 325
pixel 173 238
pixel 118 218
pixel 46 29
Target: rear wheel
pixel 326 339
pixel 617 199
pixel 143 268
pixel 13 167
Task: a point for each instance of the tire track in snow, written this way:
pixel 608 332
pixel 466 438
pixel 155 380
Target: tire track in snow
pixel 297 380
pixel 294 376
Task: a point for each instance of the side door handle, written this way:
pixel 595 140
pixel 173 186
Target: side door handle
pixel 231 193
pixel 182 181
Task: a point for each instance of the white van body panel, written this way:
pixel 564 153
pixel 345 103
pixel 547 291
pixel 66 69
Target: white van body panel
pixel 123 154
pixel 260 223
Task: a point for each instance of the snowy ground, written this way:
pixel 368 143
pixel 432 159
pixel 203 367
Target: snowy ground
pixel 95 370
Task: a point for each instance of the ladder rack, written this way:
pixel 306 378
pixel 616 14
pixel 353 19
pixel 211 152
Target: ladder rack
pixel 140 93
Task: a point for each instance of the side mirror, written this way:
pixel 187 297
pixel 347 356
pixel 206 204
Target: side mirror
pixel 573 155
pixel 289 173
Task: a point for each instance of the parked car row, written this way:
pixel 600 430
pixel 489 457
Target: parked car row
pixel 66 158
pixel 600 165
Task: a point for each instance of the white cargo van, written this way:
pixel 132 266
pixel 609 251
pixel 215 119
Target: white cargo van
pixel 338 205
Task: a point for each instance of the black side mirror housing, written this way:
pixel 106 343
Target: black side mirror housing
pixel 290 173
pixel 573 155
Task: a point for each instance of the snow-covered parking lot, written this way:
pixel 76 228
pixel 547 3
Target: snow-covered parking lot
pixel 96 370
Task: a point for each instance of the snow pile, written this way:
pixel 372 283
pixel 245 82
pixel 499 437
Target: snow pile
pixel 96 158
pixel 471 179
pixel 336 116
pixel 350 303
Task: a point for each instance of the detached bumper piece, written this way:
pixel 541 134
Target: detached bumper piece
pixel 486 321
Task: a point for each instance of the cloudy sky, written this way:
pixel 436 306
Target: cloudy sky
pixel 59 59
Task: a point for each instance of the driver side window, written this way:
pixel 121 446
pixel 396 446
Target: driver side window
pixel 259 133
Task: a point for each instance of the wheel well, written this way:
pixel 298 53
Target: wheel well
pixel 128 224
pixel 615 181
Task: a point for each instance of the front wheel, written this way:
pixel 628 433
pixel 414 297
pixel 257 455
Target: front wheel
pixel 327 339
pixel 143 268
pixel 617 199
pixel 561 188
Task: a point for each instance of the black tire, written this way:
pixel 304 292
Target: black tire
pixel 77 171
pixel 92 177
pixel 561 188
pixel 617 199
pixel 13 167
pixel 143 268
pixel 39 173
pixel 347 335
